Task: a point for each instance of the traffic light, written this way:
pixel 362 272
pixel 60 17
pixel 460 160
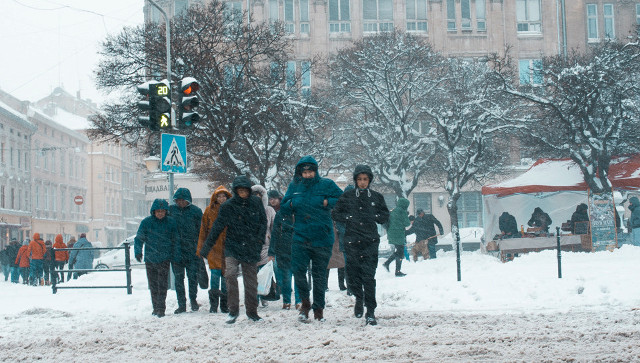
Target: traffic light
pixel 188 101
pixel 157 104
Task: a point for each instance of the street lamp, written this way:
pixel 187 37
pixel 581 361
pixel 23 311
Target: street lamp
pixel 152 163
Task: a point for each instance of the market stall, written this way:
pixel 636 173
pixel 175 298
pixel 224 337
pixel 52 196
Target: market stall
pixel 556 186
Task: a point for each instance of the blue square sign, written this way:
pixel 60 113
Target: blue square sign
pixel 174 153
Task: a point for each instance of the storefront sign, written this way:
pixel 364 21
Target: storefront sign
pixel 603 226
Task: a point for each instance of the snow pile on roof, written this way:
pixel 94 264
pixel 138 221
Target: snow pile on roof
pixel 70 120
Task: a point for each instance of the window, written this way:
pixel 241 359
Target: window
pixel 274 11
pixel 304 16
pixel 422 127
pixel 306 78
pixel 289 21
pixel 13 198
pixel 417 15
pixel 233 12
pixel 530 71
pixel 451 15
pixel 38 206
pixel 390 200
pixel 470 209
pixel 46 198
pixel 377 15
pixel 180 7
pixel 481 15
pixel 592 22
pixel 465 9
pixel 339 19
pixel 2 153
pixel 638 14
pixel 609 25
pixel 291 74
pixel 19 159
pixel 422 201
pixel 528 16
pixel 2 205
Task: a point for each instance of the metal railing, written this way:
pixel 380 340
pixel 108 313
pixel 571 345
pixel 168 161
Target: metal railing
pixel 127 269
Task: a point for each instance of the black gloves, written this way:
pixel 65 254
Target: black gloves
pixel 139 258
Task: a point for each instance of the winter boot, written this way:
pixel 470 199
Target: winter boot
pixel 194 305
pixel 254 317
pixel 180 310
pixel 358 309
pixel 223 303
pixel 214 297
pixel 304 310
pixel 341 284
pixel 386 266
pixel 400 274
pixel 318 314
pixel 231 318
pixel 371 318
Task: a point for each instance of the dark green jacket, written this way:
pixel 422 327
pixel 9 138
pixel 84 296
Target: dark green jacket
pixel 188 220
pixel 159 237
pixel 304 201
pixel 398 222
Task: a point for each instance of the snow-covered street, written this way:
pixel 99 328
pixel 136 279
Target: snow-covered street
pixel 518 311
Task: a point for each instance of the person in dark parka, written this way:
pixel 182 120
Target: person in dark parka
pixel 398 222
pixel 309 200
pixel 634 220
pixel 580 215
pixel 508 225
pixel 540 219
pixel 424 227
pixel 158 234
pixel 360 209
pixel 280 251
pixel 244 219
pixel 188 218
pixel 12 254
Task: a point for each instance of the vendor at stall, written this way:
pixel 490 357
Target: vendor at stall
pixel 540 219
pixel 508 226
pixel 580 215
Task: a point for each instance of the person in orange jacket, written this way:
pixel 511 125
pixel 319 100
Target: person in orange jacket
pixel 61 257
pixel 22 260
pixel 218 286
pixel 36 252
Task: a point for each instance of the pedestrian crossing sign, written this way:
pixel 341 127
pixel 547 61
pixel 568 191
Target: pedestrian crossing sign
pixel 174 153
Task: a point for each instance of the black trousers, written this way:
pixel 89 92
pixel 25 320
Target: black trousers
pixel 191 268
pixel 158 280
pixel 362 262
pixel 397 255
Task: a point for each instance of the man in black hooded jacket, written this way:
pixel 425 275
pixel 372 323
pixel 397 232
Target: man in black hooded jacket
pixel 360 209
pixel 245 221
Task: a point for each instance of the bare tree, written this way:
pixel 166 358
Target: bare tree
pixel 251 104
pixel 585 108
pixel 378 86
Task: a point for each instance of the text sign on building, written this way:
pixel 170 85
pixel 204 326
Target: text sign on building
pixel 174 153
pixel 603 225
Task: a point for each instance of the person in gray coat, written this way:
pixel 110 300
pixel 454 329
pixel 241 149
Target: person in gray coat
pixel 79 259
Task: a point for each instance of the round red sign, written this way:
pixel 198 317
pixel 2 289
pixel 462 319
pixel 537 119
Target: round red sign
pixel 78 199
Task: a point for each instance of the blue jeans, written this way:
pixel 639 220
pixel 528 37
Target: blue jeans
pixel 36 271
pixel 15 274
pixel 283 277
pixel 217 282
pixel 301 254
pixel 6 269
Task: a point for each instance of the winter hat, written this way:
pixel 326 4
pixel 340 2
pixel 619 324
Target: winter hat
pixel 307 166
pixel 241 181
pixel 48 243
pixel 83 235
pixel 274 194
pixel 419 212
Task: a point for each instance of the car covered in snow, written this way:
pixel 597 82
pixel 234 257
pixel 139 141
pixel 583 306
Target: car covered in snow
pixel 116 258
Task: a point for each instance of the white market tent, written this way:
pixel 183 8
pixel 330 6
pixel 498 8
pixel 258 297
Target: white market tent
pixel 555 185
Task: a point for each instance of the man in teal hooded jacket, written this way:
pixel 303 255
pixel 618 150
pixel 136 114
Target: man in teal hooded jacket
pixel 188 218
pixel 396 234
pixel 158 234
pixel 309 200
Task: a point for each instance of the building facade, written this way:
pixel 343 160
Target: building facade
pixel 530 29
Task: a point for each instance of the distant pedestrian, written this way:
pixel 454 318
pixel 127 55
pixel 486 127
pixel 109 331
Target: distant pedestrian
pixel 274 199
pixel 217 285
pixel 308 201
pixel 4 261
pixel 48 263
pixel 23 262
pixel 188 219
pixel 280 251
pixel 361 209
pixel 244 219
pixel 396 234
pixel 72 242
pixel 260 192
pixel 82 259
pixel 36 252
pixel 61 257
pixel 158 236
pixel 634 220
pixel 424 228
pixel 12 253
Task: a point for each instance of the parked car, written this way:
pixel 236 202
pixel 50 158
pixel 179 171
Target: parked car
pixel 115 258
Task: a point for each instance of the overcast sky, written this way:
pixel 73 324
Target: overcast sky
pixel 49 43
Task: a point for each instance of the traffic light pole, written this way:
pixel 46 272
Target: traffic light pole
pixel 173 116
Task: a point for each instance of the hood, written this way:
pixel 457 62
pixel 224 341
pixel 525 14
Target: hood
pixel 220 189
pixel 159 204
pixel 72 240
pixel 274 194
pixel 362 169
pixel 634 203
pixel 182 193
pixel 306 160
pixel 582 208
pixel 58 238
pixel 36 236
pixel 241 181
pixel 537 210
pixel 262 190
pixel 505 214
pixel 403 203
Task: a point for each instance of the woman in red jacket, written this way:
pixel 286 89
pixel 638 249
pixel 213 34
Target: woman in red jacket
pixel 61 256
pixel 22 260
